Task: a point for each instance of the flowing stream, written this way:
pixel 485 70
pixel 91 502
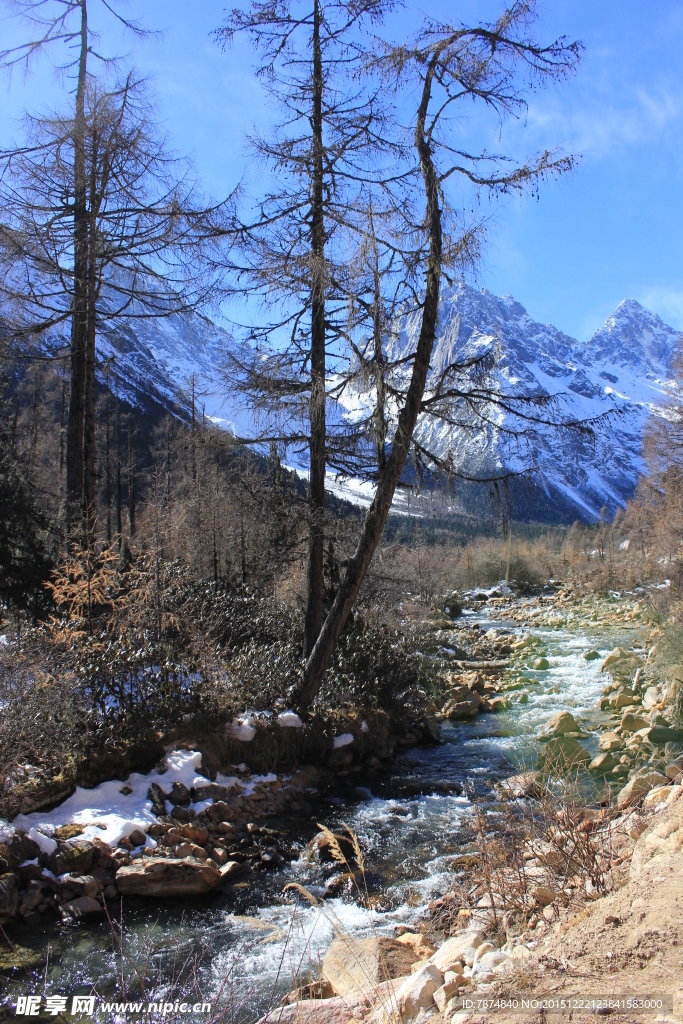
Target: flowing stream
pixel 255 939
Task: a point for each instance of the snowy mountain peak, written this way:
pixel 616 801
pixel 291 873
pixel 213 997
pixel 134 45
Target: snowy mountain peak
pixel 628 367
pixel 633 334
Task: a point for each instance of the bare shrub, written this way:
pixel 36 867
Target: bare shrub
pixel 554 848
pixel 41 739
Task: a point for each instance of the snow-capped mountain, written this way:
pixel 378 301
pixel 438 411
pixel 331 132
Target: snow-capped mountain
pixel 615 381
pixel 625 373
pixel 158 358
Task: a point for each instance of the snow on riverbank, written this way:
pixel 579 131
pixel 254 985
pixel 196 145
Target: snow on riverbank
pixel 110 812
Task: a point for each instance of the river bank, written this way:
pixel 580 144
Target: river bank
pixel 414 814
pixel 618 955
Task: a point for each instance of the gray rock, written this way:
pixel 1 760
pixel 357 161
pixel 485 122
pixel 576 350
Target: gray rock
pixel 32 897
pixel 169 876
pixel 417 992
pixel 22 848
pixel 83 906
pixel 455 949
pixel 181 813
pixel 74 856
pixel 231 868
pixel 180 794
pixel 631 722
pixel 603 763
pixel 638 786
pixel 219 811
pixel 29 870
pixel 211 791
pixel 659 735
pixel 560 724
pixel 82 885
pixel 9 895
pixel 443 994
pixel 156 794
pixel 488 962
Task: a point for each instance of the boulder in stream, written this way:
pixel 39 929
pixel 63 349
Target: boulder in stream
pixel 603 763
pixel 610 741
pixel 351 965
pixel 169 876
pixel 463 703
pixel 82 906
pixel 612 658
pixel 560 724
pixel 561 753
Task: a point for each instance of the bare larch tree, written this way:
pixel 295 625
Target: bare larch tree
pixel 493 65
pixel 101 223
pixel 308 54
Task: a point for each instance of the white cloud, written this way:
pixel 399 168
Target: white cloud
pixel 601 124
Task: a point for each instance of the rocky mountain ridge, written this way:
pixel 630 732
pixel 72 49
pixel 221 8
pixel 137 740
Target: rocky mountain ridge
pixel 624 374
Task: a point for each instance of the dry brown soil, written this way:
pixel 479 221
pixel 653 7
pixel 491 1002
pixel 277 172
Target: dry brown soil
pixel 629 942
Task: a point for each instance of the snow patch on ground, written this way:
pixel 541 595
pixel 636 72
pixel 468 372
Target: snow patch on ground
pixel 243 728
pixel 108 814
pixel 47 845
pixel 343 740
pixel 104 812
pixel 290 720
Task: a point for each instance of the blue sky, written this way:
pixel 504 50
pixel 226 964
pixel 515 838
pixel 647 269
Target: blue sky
pixel 613 229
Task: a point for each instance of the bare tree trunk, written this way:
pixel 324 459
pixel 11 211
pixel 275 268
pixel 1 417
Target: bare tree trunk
pixel 168 461
pixel 108 462
pixel 13 428
pixel 215 552
pixel 319 658
pixel 244 550
pixel 89 410
pixel 194 445
pixel 380 405
pixel 34 427
pixel 74 440
pixel 119 508
pixel 316 493
pixel 131 480
pixel 61 422
pixel 157 545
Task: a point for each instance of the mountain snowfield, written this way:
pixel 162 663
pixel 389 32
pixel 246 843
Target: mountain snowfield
pixel 616 380
pixel 626 370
